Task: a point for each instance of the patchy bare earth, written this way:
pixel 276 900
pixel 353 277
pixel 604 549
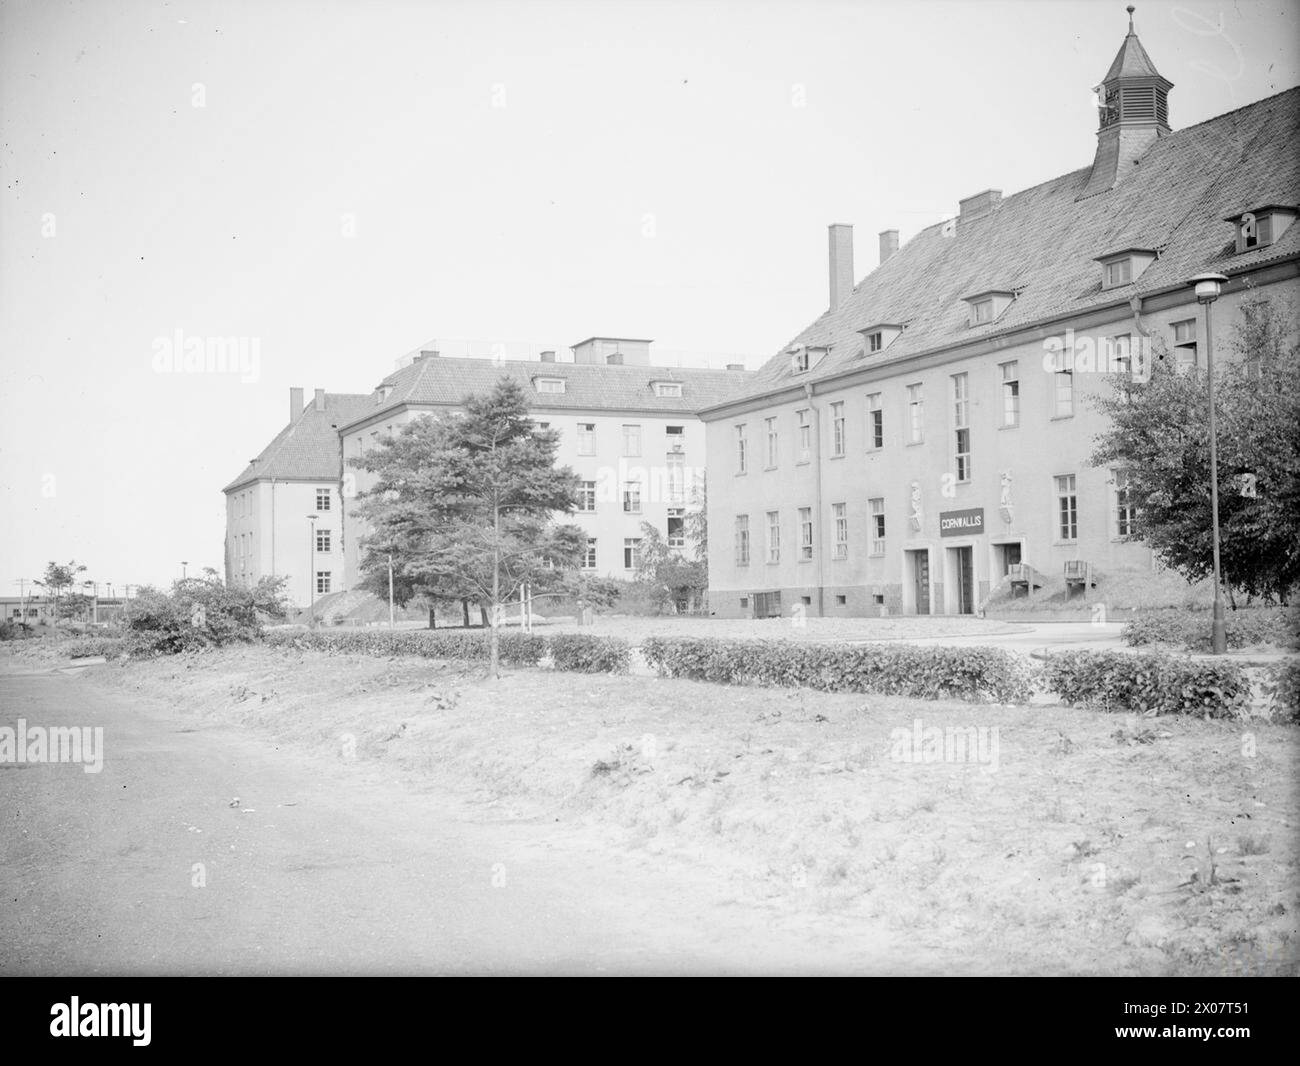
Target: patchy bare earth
pixel 1057 841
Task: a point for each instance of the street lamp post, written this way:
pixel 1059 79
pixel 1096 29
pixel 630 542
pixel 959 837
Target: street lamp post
pixel 184 564
pixel 1207 288
pixel 311 570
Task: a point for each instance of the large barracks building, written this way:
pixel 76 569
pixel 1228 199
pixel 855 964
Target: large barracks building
pixel 928 436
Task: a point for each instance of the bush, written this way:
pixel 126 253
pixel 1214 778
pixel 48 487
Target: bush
pixel 199 613
pixel 1285 677
pixel 589 654
pixel 1191 629
pixel 108 647
pixel 523 649
pixel 889 669
pixel 1155 682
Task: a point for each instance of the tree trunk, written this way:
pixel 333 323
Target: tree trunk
pixel 464 610
pixel 483 616
pixel 433 619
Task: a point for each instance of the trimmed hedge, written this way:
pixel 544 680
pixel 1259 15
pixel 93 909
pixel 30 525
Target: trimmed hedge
pixel 108 647
pixel 1122 681
pixel 1286 677
pixel 584 653
pixel 1191 629
pixel 523 649
pixel 889 669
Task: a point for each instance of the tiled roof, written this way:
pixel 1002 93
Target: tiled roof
pixel 1042 243
pixel 588 386
pixel 309 447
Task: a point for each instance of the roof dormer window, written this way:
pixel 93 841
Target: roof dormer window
pixel 1261 227
pixel 668 388
pixel 1125 266
pixel 799 360
pixel 382 393
pixel 549 385
pixel 875 339
pixel 986 307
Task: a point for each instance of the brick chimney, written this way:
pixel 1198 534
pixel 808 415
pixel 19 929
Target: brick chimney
pixel 319 401
pixel 888 243
pixel 841 262
pixel 295 404
pixel 548 357
pixel 978 205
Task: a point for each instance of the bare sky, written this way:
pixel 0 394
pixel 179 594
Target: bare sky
pixel 363 177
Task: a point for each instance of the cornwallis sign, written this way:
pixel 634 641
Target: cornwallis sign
pixel 961 523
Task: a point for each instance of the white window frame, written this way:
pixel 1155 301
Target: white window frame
pixel 805 533
pixel 876 526
pixel 839 429
pixel 840 515
pixel 916 413
pixel 773 536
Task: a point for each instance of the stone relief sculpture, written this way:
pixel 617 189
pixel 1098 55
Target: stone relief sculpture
pixel 916 516
pixel 1004 502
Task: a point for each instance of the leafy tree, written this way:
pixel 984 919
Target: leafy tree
pixel 58 581
pixel 465 505
pixel 697 523
pixel 670 577
pixel 1159 434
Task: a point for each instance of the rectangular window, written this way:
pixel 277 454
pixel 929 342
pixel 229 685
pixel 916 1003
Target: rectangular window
pixel 1119 273
pixel 1185 357
pixel 632 497
pixel 631 440
pixel 961 425
pixel 631 553
pixel 875 341
pixel 742 540
pixel 589 556
pixel 668 388
pixel 586 496
pixel 676 468
pixel 676 527
pixel 876 417
pixel 322 499
pixel 915 415
pixel 837 429
pixel 1119 354
pixel 876 527
pixel 677 432
pixel 1125 512
pixel 322 581
pixel 322 540
pixel 839 512
pixel 1067 508
pixel 805 533
pixel 1011 393
pixel 981 312
pixel 742 458
pixel 586 438
pixel 773 443
pixel 1063 384
pixel 773 536
pixel 805 436
pixel 551 385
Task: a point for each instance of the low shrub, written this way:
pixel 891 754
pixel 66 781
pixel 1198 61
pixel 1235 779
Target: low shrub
pixel 524 649
pixel 199 613
pixel 1148 682
pixel 1191 629
pixel 889 669
pixel 1285 677
pixel 108 647
pixel 584 653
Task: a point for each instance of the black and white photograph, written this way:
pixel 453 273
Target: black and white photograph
pixel 744 488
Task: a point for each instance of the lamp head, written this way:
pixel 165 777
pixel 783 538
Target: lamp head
pixel 1207 286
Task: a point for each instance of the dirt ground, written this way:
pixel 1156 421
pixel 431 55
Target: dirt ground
pixel 1048 840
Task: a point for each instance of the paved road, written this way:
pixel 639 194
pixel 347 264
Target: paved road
pixel 1044 636
pixel 326 868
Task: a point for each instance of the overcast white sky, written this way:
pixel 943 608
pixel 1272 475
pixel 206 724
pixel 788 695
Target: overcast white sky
pixel 534 172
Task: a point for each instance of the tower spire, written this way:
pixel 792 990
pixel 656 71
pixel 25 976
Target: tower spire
pixel 1133 110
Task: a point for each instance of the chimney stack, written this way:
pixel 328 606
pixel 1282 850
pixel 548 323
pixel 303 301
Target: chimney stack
pixel 295 405
pixel 841 262
pixel 735 366
pixel 979 204
pixel 548 357
pixel 888 243
pixel 319 402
